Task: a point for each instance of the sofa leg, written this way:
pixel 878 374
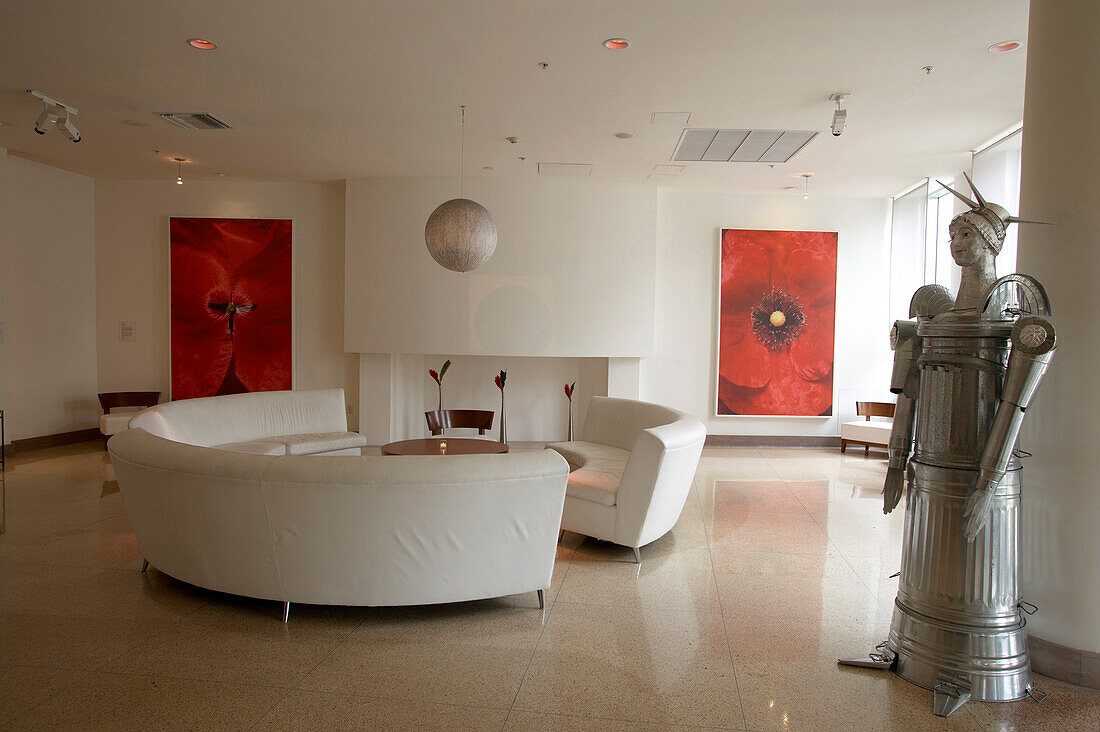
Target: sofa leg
pixel 866 451
pixel 542 600
pixel 843 446
pixel 286 611
pixel 637 555
pixel 561 534
pixel 144 565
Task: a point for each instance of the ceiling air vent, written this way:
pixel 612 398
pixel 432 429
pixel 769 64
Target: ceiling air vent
pixel 574 170
pixel 741 146
pixel 196 121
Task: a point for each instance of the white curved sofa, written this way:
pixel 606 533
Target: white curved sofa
pixel 631 471
pixel 307 422
pixel 346 530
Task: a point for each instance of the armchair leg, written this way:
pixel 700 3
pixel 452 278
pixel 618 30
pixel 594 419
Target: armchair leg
pixel 542 600
pixel 561 534
pixel 637 555
pixel 144 565
pixel 286 611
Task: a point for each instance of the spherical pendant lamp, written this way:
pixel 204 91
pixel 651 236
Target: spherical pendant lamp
pixel 461 234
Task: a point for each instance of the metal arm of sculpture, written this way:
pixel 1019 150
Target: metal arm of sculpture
pixel 904 381
pixel 928 301
pixel 1033 344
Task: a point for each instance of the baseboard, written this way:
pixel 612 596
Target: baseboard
pixel 63 438
pixel 773 441
pixel 1065 664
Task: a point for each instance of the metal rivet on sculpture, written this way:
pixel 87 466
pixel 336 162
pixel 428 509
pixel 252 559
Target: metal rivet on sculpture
pixel 964 371
pixel 461 234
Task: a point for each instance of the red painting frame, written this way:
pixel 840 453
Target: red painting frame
pixel 776 323
pixel 231 305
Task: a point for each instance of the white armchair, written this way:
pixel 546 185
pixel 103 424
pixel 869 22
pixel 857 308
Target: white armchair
pixel 631 471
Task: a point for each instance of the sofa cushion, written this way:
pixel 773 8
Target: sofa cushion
pixel 314 442
pixel 116 421
pixel 596 469
pixel 864 431
pixel 255 447
pixel 578 453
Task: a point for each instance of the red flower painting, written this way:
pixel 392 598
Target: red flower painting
pixel 231 306
pixel 778 303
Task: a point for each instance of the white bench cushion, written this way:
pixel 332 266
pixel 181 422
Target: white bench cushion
pixel 311 443
pixel 255 447
pixel 864 431
pixel 314 442
pixel 596 469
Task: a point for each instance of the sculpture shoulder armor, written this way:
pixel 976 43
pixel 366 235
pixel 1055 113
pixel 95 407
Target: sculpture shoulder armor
pixel 1015 295
pixel 930 300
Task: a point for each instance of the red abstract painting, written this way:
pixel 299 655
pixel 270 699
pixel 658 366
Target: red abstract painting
pixel 231 306
pixel 777 308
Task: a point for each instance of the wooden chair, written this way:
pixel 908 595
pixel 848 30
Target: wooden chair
pixel 857 432
pixel 479 419
pixel 129 402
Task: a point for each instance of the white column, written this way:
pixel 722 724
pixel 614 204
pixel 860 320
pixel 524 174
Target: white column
pixel 1060 540
pixel 624 377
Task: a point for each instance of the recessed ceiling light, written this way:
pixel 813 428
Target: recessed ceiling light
pixel 616 44
pixel 1004 46
pixel 488 167
pixel 134 123
pixel 202 44
pixel 791 188
pixel 625 135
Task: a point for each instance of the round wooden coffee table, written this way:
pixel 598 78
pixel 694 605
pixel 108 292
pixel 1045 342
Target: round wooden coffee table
pixel 444 446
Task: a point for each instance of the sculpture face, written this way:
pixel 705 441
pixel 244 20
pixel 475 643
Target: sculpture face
pixel 967 245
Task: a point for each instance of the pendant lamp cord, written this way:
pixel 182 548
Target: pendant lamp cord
pixel 462 155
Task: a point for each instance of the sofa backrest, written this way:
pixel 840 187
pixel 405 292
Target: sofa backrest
pixel 617 422
pixel 218 420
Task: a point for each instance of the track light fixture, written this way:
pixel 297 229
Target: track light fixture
pixel 55 114
pixel 840 116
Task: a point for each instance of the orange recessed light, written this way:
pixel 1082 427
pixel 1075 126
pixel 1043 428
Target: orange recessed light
pixel 202 44
pixel 1004 46
pixel 616 44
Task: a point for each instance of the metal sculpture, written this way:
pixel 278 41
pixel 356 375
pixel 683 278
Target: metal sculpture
pixel 965 372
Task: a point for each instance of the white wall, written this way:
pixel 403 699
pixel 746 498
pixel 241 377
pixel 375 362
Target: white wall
pixel 47 300
pixel 572 274
pixel 131 272
pixel 681 372
pixel 1059 541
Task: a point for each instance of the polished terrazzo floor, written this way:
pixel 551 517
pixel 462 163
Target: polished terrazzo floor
pixel 779 564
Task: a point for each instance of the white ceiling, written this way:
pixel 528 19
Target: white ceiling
pixel 330 89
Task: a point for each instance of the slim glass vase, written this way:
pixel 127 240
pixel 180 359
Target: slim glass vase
pixel 503 420
pixel 570 421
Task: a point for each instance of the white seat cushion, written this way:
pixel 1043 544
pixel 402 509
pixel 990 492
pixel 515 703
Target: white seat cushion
pixel 112 424
pixel 863 431
pixel 255 447
pixel 596 469
pixel 314 442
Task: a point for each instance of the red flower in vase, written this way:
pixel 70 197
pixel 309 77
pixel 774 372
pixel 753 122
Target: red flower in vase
pixel 778 297
pixel 569 390
pixel 500 379
pixel 434 374
pixel 231 306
